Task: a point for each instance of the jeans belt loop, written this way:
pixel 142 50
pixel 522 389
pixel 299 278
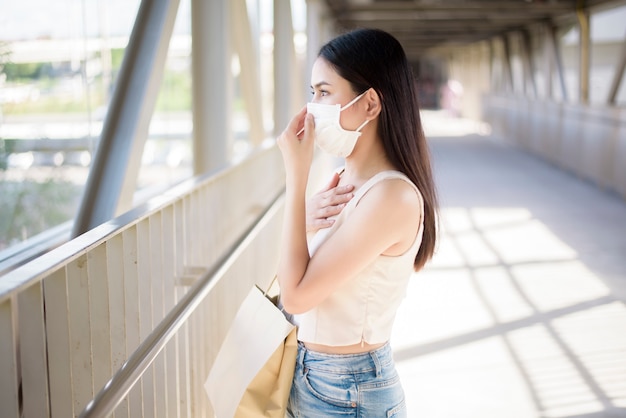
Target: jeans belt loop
pixel 301 352
pixel 376 360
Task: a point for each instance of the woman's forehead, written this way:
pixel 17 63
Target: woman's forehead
pixel 323 73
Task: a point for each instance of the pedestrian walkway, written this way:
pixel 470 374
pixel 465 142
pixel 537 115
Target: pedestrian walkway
pixel 522 313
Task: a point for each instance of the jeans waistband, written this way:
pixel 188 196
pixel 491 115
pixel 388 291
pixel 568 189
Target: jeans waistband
pixel 346 363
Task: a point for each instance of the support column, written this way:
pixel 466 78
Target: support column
pixel 506 47
pixel 491 73
pixel 585 46
pixel 497 80
pixel 212 84
pixel 249 76
pixel 314 13
pixel 556 54
pixel 618 76
pixel 113 175
pixel 529 64
pixel 284 65
pixel 105 48
pixel 548 64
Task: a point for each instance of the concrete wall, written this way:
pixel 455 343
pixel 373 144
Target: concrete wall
pixel 587 141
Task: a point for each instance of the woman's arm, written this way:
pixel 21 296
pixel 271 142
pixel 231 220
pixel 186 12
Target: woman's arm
pixel 297 151
pixel 385 221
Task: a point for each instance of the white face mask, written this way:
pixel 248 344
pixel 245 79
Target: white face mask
pixel 329 135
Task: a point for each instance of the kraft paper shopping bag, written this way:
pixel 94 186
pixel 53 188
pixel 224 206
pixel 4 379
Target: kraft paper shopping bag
pixel 252 373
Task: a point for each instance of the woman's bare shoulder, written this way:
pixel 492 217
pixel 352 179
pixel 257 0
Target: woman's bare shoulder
pixel 392 196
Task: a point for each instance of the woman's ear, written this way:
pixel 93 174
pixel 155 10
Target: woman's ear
pixel 373 103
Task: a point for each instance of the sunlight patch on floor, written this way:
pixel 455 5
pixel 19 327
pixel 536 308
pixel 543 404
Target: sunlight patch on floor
pixel 507 321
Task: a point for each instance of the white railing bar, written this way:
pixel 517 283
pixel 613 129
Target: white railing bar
pixel 33 247
pixel 131 371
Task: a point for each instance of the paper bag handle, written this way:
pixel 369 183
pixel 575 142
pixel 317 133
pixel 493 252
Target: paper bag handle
pixel 265 292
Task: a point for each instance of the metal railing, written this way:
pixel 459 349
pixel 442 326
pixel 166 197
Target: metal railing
pixel 132 370
pixel 128 317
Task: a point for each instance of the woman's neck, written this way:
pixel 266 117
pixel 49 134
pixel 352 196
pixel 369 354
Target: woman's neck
pixel 367 159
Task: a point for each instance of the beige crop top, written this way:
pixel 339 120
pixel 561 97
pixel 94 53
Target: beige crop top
pixel 364 308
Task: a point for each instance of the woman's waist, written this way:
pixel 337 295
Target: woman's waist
pixel 359 348
pixel 349 362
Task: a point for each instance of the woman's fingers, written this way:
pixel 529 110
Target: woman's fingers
pixel 318 224
pixel 338 195
pixel 334 181
pixel 327 203
pixel 309 127
pixel 297 150
pixel 330 211
pixel 296 125
pixel 293 129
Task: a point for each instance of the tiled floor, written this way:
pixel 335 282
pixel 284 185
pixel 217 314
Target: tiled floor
pixel 522 312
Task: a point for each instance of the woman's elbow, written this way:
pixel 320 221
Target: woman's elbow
pixel 292 305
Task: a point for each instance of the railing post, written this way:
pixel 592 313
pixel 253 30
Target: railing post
pixel 8 363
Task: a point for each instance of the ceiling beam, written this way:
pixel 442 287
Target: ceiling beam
pixel 450 6
pixel 435 25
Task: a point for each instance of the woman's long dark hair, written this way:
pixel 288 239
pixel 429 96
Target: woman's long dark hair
pixel 371 58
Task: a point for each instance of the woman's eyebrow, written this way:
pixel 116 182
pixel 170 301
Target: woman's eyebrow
pixel 321 83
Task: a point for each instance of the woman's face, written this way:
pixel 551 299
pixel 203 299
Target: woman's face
pixel 328 87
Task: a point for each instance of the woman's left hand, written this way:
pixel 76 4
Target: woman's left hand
pixel 296 144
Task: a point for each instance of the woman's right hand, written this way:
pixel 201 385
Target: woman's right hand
pixel 327 203
pixel 296 146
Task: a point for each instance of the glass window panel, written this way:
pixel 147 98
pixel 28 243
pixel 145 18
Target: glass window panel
pixel 58 63
pixel 607 38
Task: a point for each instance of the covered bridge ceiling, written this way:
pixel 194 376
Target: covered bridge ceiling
pixel 428 25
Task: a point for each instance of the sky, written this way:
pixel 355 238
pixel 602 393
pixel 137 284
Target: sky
pixel 31 19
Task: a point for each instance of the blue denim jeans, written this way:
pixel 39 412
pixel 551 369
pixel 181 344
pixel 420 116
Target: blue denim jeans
pixel 347 385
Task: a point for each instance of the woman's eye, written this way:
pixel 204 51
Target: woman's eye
pixel 319 93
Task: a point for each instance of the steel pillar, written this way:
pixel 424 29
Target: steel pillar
pixel 619 75
pixel 529 64
pixel 285 67
pixel 556 55
pixel 548 64
pixel 112 178
pixel 585 46
pixel 506 47
pixel 249 76
pixel 212 84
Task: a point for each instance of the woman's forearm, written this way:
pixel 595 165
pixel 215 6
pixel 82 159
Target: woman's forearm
pixel 294 257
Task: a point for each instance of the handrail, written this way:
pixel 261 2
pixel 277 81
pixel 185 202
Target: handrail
pixel 131 371
pixel 19 254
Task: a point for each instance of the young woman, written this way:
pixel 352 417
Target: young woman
pixel 347 283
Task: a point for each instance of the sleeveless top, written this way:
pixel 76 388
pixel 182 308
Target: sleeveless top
pixel 362 309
